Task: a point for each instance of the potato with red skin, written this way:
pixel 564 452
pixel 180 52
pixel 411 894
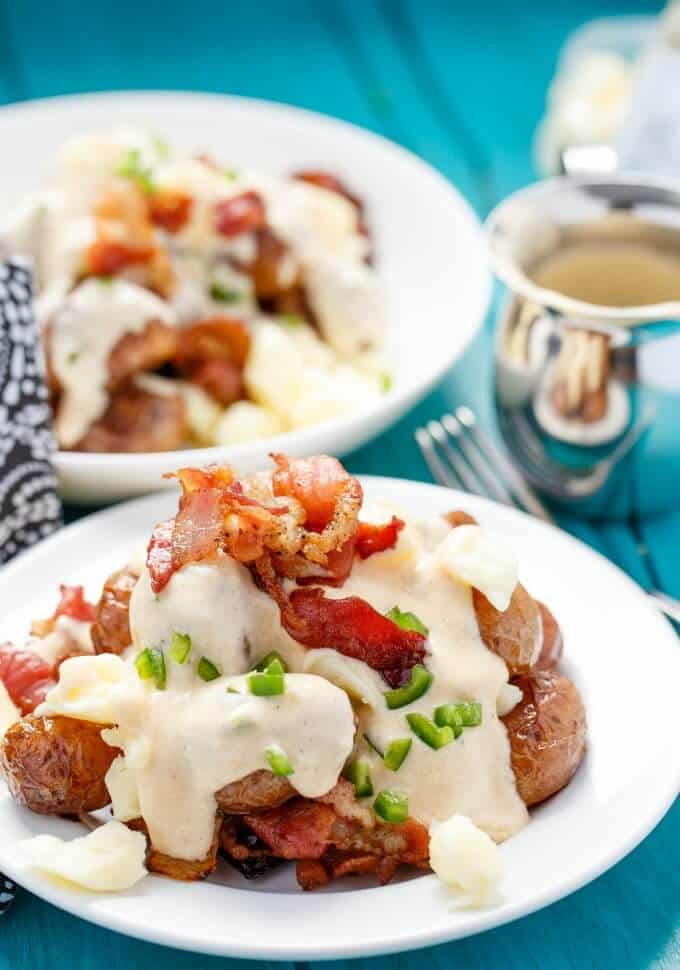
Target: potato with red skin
pixel 185 870
pixel 137 420
pixel 137 353
pixel 56 765
pixel 111 628
pixel 256 792
pixel 547 734
pixel 553 643
pixel 513 633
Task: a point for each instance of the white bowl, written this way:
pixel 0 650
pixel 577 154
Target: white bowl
pixel 430 250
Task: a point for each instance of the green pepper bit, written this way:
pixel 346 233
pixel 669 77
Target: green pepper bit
pixel 272 663
pixel 396 752
pixel 391 806
pixel 407 621
pixel 150 664
pixel 448 715
pixel 207 669
pixel 358 772
pixel 428 732
pixel 180 647
pixel 420 681
pixel 266 685
pixel 278 761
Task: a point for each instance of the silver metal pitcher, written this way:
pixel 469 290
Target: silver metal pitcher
pixel 588 395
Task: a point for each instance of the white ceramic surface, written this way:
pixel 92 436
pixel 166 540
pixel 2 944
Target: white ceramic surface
pixel 620 652
pixel 430 250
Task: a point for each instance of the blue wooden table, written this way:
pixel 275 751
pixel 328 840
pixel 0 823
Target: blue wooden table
pixel 463 85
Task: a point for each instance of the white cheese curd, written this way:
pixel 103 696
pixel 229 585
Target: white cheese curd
pixel 348 303
pixel 86 163
pixel 81 344
pixel 360 683
pixel 474 556
pixel 466 860
pixel 245 421
pixel 508 698
pixel 326 394
pixel 68 638
pixel 9 713
pixel 94 689
pixel 121 782
pixel 109 859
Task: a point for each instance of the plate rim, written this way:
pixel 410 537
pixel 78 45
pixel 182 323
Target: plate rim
pixel 484 919
pixel 389 407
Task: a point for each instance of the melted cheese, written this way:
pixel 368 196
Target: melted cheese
pixel 81 343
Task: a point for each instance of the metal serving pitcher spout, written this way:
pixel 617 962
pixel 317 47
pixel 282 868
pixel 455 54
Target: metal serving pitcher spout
pixel 587 367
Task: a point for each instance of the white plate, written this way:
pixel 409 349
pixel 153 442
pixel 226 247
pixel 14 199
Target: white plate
pixel 621 653
pixel 431 255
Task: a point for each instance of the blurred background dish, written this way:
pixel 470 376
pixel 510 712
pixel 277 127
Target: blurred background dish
pixel 430 252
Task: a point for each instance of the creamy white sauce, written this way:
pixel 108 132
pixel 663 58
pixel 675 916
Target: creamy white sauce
pixel 184 743
pixel 89 324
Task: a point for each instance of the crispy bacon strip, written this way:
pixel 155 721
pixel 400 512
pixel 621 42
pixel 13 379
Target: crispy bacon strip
pixel 105 257
pixel 352 627
pixel 159 559
pixel 72 603
pixel 300 829
pixel 241 213
pixel 26 676
pixel 377 538
pixel 317 483
pixel 170 209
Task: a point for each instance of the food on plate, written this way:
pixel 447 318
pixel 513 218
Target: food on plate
pixel 294 677
pixel 183 302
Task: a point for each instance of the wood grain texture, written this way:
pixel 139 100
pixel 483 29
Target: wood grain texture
pixel 463 85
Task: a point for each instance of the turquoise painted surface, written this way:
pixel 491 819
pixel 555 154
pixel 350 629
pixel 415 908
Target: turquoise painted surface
pixel 461 84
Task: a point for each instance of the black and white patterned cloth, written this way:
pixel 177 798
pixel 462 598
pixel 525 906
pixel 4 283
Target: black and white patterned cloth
pixel 29 506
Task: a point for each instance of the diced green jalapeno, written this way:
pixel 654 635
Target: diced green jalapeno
pixel 207 669
pixel 428 732
pixel 358 772
pixel 272 663
pixel 391 806
pixel 180 647
pixel 459 716
pixel 266 685
pixel 407 621
pixel 278 761
pixel 150 664
pixel 395 753
pixel 420 681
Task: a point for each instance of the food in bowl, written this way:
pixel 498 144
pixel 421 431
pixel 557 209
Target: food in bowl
pixel 183 302
pixel 288 676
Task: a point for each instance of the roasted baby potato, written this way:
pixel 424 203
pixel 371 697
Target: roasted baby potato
pixel 254 793
pixel 553 644
pixel 56 765
pixel 186 870
pixel 512 634
pixel 547 734
pixel 137 420
pixel 111 627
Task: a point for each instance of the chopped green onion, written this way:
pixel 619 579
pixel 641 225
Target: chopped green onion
pixel 420 681
pixel 207 669
pixel 359 773
pixel 448 715
pixel 458 716
pixel 266 685
pixel 428 732
pixel 230 173
pixel 131 168
pixel 391 806
pixel 150 664
pixel 292 319
pixel 396 752
pixel 385 382
pixel 224 295
pixel 407 621
pixel 272 663
pixel 278 761
pixel 180 647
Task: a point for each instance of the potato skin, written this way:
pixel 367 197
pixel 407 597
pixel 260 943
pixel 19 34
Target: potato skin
pixel 56 765
pixel 511 634
pixel 547 734
pixel 111 628
pixel 256 792
pixel 185 870
pixel 553 644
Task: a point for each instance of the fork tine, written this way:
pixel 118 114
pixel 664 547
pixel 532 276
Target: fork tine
pixel 466 475
pixel 524 493
pixel 441 474
pixel 493 484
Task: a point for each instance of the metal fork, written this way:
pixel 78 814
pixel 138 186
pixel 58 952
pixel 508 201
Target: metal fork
pixel 460 454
